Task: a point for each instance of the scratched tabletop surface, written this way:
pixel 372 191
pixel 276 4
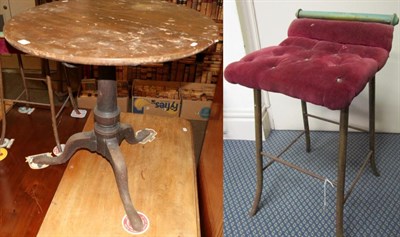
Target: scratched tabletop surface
pixel 116 32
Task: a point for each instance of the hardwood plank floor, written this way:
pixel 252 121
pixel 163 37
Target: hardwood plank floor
pixel 25 194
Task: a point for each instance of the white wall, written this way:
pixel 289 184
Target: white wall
pixel 273 18
pixel 10 8
pixel 238 100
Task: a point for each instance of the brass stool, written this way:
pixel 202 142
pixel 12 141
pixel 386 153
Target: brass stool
pixel 327 59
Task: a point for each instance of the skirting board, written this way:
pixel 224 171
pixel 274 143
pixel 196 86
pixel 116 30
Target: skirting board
pixel 239 125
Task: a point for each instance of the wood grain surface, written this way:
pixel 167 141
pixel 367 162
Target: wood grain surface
pixel 25 194
pixel 118 32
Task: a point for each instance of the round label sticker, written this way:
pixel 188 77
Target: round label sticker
pixel 128 227
pixel 205 113
pixel 57 152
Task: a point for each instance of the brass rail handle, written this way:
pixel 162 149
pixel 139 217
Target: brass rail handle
pixel 347 16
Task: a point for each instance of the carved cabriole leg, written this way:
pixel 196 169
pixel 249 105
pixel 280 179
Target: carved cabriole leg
pixel 306 125
pixel 344 120
pixel 121 176
pixel 82 140
pixel 372 125
pixel 259 164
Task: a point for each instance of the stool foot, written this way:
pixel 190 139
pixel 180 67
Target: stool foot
pixel 306 126
pixel 339 234
pixel 256 201
pixel 372 145
pixel 373 165
pixel 259 185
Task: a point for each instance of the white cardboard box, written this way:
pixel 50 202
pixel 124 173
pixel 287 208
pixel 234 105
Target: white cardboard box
pixel 156 98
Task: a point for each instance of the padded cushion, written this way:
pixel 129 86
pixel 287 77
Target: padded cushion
pixel 345 32
pixel 322 72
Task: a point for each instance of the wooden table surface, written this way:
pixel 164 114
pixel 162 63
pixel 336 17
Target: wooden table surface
pixel 162 181
pixel 117 32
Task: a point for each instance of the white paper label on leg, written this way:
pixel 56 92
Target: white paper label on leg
pixel 57 152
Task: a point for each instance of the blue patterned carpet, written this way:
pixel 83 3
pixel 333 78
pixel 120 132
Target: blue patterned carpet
pixel 292 203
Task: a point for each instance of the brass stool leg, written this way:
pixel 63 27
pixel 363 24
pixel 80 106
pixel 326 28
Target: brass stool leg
pixel 344 120
pixel 306 126
pixel 2 107
pixel 259 168
pixel 372 125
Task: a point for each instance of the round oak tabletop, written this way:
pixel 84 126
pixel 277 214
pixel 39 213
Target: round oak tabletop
pixel 111 32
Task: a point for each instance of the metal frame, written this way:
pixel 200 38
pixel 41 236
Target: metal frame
pixel 341 197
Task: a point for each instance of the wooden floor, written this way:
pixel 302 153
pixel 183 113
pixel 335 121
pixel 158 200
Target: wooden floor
pixel 25 194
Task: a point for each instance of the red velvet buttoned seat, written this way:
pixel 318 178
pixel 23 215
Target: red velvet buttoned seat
pixel 326 62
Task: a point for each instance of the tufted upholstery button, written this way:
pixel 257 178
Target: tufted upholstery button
pixel 339 80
